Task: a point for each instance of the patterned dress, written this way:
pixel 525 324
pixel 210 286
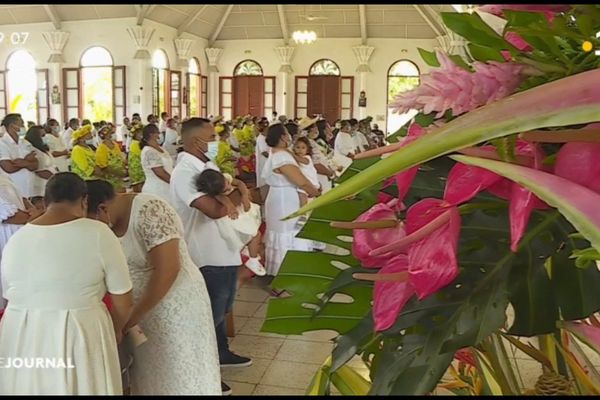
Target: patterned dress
pixel 136 172
pixel 247 141
pixel 180 356
pixel 114 161
pixel 83 161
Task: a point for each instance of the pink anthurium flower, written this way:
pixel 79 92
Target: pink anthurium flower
pixel 430 263
pixel 589 334
pixel 579 162
pixel 367 239
pixel 549 10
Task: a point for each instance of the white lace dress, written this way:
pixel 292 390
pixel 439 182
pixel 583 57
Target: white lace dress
pixel 282 200
pixel 152 158
pixel 180 356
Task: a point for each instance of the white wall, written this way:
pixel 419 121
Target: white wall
pixel 387 51
pixel 112 34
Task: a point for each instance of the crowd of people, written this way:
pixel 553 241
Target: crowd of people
pixel 144 235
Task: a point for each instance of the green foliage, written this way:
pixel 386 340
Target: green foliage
pixel 400 84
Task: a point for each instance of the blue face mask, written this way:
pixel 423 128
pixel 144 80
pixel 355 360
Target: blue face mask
pixel 213 150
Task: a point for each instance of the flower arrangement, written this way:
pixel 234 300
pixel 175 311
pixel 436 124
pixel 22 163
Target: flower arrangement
pixel 490 205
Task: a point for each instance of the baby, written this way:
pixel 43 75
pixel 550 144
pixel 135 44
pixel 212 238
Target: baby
pixel 241 232
pixel 302 154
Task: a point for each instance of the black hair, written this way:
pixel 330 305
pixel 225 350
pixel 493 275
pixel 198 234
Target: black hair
pixel 193 123
pixel 99 191
pixel 162 114
pixel 34 137
pixel 304 139
pixel 146 132
pixel 11 119
pixel 73 120
pixel 65 187
pixel 321 126
pixel 210 182
pixel 353 121
pixel 135 115
pixel 274 134
pixel 292 128
pixel 150 117
pixel 345 123
pixel 86 122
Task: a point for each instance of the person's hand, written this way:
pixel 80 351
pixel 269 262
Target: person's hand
pixel 119 337
pixel 33 212
pixel 31 156
pixel 133 321
pixel 246 202
pixel 313 191
pixel 232 211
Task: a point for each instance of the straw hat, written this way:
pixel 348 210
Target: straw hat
pixel 306 122
pixel 216 119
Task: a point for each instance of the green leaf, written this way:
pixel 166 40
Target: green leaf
pixel 424 120
pixel 505 147
pixel 459 61
pixel 585 25
pixel 571 100
pixel 475 30
pixel 484 54
pixel 429 57
pixel 349 382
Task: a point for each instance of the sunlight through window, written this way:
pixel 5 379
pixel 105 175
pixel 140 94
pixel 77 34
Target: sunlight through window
pixel 22 85
pixel 97 80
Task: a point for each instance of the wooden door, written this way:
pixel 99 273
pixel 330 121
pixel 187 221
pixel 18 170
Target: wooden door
pixel 248 95
pixel 324 96
pixel 71 94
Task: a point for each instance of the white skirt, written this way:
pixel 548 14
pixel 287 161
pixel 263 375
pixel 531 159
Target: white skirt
pixel 280 235
pixel 157 187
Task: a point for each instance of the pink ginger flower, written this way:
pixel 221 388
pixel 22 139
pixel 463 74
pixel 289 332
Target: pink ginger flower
pixel 549 10
pixel 452 87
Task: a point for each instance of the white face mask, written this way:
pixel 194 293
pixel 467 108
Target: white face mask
pixel 55 130
pixel 45 140
pixel 22 131
pixel 213 150
pixel 89 142
pixel 161 139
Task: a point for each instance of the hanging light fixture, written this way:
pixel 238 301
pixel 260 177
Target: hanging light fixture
pixel 304 37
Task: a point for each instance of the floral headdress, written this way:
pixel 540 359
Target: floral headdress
pixel 81 132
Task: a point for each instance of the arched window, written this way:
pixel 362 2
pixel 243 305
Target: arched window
pixel 160 65
pixel 22 85
pixel 324 67
pixel 248 68
pixel 97 80
pixel 194 87
pixel 402 76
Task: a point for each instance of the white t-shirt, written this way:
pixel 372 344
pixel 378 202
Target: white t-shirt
pixel 202 235
pixel 66 137
pixel 162 127
pixel 170 144
pixel 55 143
pixel 9 150
pixel 309 171
pixel 360 140
pixel 344 144
pixel 261 160
pixel 45 163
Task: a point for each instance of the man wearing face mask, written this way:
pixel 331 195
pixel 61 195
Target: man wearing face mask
pixel 17 157
pixel 210 252
pixel 68 133
pixel 171 139
pixel 57 147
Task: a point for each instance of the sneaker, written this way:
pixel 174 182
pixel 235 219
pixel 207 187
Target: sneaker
pixel 233 360
pixel 255 266
pixel 225 389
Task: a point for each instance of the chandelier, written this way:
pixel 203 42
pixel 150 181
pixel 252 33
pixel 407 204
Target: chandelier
pixel 304 37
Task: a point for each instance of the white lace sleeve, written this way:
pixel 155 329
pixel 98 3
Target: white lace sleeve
pixel 152 159
pixel 158 223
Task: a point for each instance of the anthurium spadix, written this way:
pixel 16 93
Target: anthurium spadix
pixel 568 101
pixel 577 203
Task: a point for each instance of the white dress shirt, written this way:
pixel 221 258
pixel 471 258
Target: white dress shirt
pixel 55 143
pixel 67 135
pixel 11 150
pixel 202 235
pixel 170 144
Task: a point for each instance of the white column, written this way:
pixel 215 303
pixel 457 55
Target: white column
pixel 213 54
pixel 284 105
pixel 142 93
pixel 363 54
pixel 453 44
pixel 183 47
pixel 56 41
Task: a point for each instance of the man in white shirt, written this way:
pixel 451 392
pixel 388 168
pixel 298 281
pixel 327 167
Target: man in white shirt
pixel 210 252
pixel 57 147
pixel 67 134
pixel 162 127
pixel 124 132
pixel 17 158
pixel 360 139
pixel 171 139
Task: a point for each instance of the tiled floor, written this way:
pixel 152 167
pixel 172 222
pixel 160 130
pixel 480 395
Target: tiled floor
pixel 285 365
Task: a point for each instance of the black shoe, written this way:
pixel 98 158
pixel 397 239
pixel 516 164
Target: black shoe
pixel 233 360
pixel 225 389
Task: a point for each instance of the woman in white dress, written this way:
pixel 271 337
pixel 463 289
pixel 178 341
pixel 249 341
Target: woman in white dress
pixel 36 135
pixel 156 163
pixel 172 305
pixel 283 175
pixel 55 311
pixel 15 212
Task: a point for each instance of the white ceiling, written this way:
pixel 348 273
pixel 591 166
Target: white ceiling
pixel 250 21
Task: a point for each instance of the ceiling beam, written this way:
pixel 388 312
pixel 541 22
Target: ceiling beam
pixel 143 11
pixel 217 31
pixel 363 23
pixel 181 28
pixel 53 15
pixel 423 14
pixel 283 23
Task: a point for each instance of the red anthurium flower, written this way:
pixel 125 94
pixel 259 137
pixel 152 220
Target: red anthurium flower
pixel 466 356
